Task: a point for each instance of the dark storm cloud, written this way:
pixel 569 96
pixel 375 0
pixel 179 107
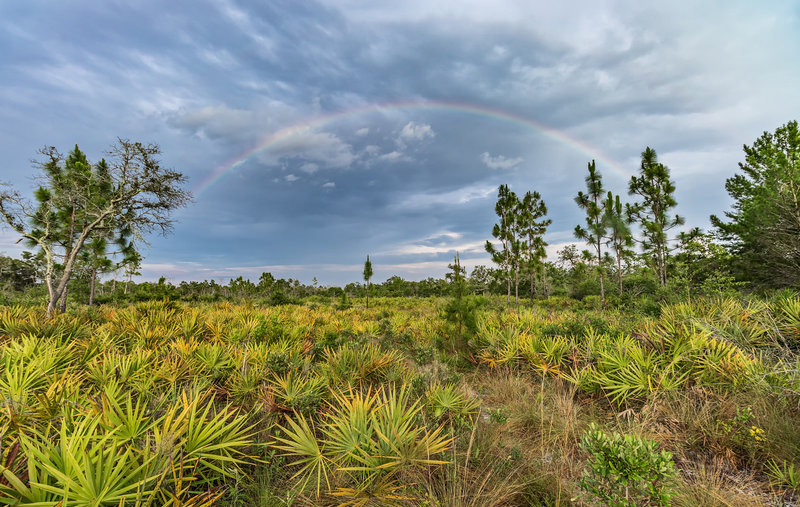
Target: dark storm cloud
pixel 210 80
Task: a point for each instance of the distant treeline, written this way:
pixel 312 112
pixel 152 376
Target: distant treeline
pixel 569 276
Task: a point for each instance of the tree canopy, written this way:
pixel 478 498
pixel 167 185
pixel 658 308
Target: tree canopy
pixel 763 226
pixel 77 202
pixel 654 187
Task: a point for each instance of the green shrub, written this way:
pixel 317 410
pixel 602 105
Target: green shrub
pixel 558 303
pixel 625 470
pixel 592 302
pixel 423 355
pixel 278 363
pixel 739 434
pixel 278 297
pixel 344 303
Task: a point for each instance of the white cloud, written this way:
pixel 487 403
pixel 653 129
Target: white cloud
pixel 321 148
pixel 291 177
pixel 216 121
pixel 442 234
pixel 221 58
pixel 499 52
pixel 329 184
pixel 434 244
pixel 416 249
pixel 393 156
pixel 309 167
pixel 313 148
pixel 67 76
pixel 234 125
pixel 452 198
pixel 244 22
pixel 416 132
pixel 156 64
pixel 499 162
pixel 362 131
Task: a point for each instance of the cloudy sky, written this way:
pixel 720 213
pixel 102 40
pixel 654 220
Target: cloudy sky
pixel 315 133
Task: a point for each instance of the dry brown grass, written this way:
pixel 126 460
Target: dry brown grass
pixel 717 485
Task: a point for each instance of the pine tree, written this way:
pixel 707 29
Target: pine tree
pixel 532 226
pixel 505 208
pixel 461 310
pixel 657 192
pixel 763 226
pixel 131 265
pixel 618 227
pixel 595 231
pixel 70 210
pixel 367 275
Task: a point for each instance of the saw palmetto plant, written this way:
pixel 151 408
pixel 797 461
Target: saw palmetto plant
pixel 362 445
pixel 163 404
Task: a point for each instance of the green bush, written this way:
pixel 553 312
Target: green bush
pixel 592 302
pixel 739 434
pixel 625 470
pixel 278 297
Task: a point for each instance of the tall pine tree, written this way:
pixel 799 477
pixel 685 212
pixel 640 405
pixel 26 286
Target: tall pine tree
pixel 504 256
pixel 367 275
pixel 595 231
pixel 763 227
pixel 653 212
pixel 532 226
pixel 618 230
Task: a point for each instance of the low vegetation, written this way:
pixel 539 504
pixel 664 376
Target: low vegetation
pixel 161 403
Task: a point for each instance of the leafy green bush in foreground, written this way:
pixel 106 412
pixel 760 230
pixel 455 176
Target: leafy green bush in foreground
pixel 626 470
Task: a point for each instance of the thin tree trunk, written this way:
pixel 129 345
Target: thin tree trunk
pixel 661 259
pixel 48 279
pixel 544 282
pixel 531 266
pixel 91 286
pixel 63 307
pixel 508 264
pixel 600 270
pixel 602 291
pixel 532 276
pixel 67 252
pixel 508 286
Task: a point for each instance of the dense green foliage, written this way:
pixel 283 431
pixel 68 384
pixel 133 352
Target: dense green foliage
pixel 16 275
pixel 367 273
pixel 279 405
pixel 80 204
pixel 656 191
pixel 626 470
pixel 763 228
pixel 595 231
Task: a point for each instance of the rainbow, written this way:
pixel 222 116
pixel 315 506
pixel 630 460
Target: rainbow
pixel 416 105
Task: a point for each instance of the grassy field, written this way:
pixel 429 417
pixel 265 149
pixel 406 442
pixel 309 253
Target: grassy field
pixel 170 404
